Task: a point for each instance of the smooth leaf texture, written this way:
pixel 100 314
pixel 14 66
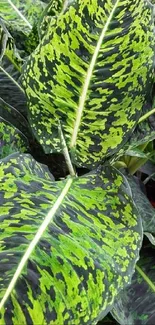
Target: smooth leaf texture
pixel 81 237
pixel 136 304
pixel 91 72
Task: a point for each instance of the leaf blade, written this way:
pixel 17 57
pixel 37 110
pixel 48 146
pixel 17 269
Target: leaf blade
pixel 109 117
pixel 97 251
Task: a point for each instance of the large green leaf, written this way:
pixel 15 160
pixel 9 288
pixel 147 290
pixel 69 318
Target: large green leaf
pixel 67 247
pixel 136 304
pixel 91 72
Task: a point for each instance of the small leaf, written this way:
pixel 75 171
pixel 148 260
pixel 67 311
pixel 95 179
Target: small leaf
pixel 11 139
pixel 136 304
pixel 66 248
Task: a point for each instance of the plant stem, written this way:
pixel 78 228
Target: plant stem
pixel 65 151
pixel 136 164
pixel 145 116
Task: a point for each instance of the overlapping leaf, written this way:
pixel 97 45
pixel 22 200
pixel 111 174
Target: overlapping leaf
pixel 22 13
pixel 91 72
pixel 81 237
pixel 11 139
pixel 144 207
pixel 136 304
pixel 10 70
pixel 51 10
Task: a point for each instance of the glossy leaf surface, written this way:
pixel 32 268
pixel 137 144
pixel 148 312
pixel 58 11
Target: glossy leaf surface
pixel 136 304
pixel 89 75
pixel 66 247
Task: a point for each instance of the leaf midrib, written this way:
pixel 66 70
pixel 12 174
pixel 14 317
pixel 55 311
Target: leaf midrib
pixel 35 241
pixel 88 79
pixel 145 277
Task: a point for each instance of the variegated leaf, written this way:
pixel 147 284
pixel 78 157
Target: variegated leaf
pixel 11 139
pixel 53 9
pixel 91 72
pixel 66 248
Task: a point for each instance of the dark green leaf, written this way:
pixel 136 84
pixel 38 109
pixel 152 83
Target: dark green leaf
pixel 87 74
pixel 10 114
pixel 67 247
pixel 136 304
pixel 10 88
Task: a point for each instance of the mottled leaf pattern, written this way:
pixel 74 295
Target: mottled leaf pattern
pixel 136 304
pixel 91 72
pixel 7 46
pixel 144 132
pixel 11 139
pixel 86 254
pixel 144 207
pixel 53 9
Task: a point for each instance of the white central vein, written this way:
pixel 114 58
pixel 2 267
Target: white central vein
pixel 35 240
pixel 19 13
pixel 88 78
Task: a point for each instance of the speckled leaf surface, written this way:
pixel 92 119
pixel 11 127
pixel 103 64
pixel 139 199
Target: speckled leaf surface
pixel 52 10
pixel 136 304
pixel 82 238
pixel 11 139
pixel 7 46
pixel 144 207
pixel 91 72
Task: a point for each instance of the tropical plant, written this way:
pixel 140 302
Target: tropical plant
pixel 71 248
